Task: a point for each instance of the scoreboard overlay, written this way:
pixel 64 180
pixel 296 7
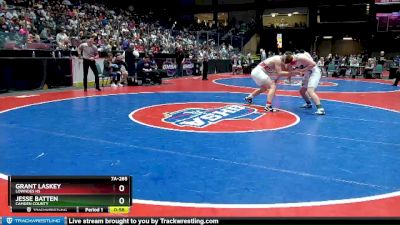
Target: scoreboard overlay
pixel 97 194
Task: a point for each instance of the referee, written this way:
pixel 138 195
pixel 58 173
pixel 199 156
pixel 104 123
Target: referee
pixel 89 53
pixel 396 82
pixel 205 64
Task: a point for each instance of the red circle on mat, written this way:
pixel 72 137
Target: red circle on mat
pixel 213 117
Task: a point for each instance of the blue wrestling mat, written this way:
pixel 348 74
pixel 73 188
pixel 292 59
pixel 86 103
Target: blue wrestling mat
pixel 210 147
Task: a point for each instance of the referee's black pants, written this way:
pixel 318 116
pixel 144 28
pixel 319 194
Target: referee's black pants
pixel 205 70
pixel 396 82
pixel 92 64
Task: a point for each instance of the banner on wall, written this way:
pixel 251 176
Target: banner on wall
pixel 77 70
pixel 188 67
pixel 279 40
pixel 170 67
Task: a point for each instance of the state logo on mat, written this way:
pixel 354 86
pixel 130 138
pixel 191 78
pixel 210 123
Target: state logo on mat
pixel 213 117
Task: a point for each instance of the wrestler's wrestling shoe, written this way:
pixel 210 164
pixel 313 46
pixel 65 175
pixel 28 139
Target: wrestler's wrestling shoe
pixel 249 100
pixel 306 106
pixel 270 109
pixel 320 111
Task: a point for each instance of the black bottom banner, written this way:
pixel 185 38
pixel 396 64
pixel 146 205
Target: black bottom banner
pixel 206 221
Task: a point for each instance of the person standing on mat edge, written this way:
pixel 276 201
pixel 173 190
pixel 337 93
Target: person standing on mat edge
pixel 130 55
pixel 304 64
pixel 180 55
pixel 88 51
pixel 274 65
pixel 396 82
pixel 205 64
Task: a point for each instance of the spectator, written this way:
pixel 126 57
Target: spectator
pixel 155 75
pixel 382 59
pixel 62 39
pixel 179 60
pixel 34 38
pixel 329 59
pixel 44 34
pixel 130 55
pixel 111 70
pixel 321 65
pixel 263 54
pixel 125 44
pixel 249 59
pixel 122 69
pixel 368 68
pixel 116 27
pixel 354 66
pixel 237 65
pixel 144 70
pixel 315 56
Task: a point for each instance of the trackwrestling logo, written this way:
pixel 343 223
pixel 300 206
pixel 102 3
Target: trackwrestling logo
pixel 213 117
pixel 203 117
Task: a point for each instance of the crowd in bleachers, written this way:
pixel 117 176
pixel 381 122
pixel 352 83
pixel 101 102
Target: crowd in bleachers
pixel 66 23
pixel 354 65
pixel 361 65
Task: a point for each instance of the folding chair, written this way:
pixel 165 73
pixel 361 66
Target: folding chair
pixel 332 69
pixel 102 77
pixel 377 72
